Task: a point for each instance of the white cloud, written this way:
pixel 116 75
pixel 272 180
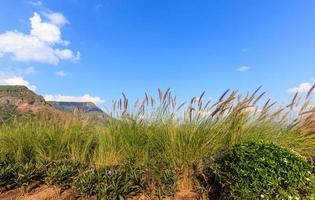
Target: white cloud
pixel 46 32
pixel 243 69
pixel 302 88
pixel 39 45
pixel 9 79
pixel 61 73
pixel 57 18
pixel 29 70
pixel 27 48
pixel 18 71
pixel 65 54
pixel 35 3
pixel 84 98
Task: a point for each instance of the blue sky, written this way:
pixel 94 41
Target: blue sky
pixel 96 49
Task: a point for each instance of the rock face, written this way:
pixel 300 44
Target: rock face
pixel 86 110
pixel 18 96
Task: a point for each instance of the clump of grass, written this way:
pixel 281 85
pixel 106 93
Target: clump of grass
pixel 62 173
pixel 14 174
pixel 111 183
pixel 8 113
pixel 206 128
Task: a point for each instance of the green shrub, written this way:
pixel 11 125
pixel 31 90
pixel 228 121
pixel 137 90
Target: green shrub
pixel 260 171
pixel 116 182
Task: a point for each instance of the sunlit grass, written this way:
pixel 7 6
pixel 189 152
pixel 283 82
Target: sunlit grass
pixel 162 136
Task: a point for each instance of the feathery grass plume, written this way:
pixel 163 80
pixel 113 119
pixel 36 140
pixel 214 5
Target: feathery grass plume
pixel 166 138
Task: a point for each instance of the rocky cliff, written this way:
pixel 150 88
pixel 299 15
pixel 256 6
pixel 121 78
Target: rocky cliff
pixel 18 96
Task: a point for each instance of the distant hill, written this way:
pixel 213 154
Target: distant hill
pixel 86 110
pixel 26 100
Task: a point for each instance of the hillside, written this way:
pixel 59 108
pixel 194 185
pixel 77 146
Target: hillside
pixel 19 95
pixel 86 110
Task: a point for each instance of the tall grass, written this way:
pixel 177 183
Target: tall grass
pixel 168 139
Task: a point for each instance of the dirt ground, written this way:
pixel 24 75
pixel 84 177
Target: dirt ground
pixel 35 191
pixel 43 192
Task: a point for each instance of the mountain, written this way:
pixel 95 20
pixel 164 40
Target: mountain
pixel 26 100
pixel 86 110
pixel 19 96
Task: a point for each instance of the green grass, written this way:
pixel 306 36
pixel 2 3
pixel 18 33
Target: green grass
pixel 157 145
